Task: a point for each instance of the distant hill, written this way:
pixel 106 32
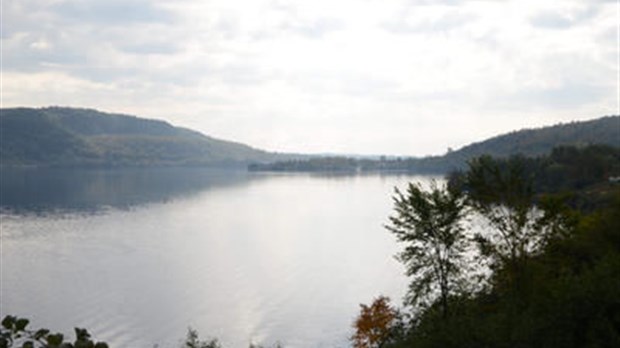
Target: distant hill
pixel 527 142
pixel 58 136
pixel 540 141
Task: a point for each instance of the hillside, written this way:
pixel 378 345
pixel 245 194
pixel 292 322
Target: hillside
pixel 528 142
pixel 540 141
pixel 57 136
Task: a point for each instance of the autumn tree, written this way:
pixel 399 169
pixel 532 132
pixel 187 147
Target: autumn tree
pixel 430 225
pixel 375 325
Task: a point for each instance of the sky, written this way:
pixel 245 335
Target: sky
pixel 397 77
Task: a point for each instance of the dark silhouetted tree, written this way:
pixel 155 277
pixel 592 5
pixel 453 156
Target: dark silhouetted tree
pixel 430 225
pixel 521 223
pixel 14 333
pixel 192 341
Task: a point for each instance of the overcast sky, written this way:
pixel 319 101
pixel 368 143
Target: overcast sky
pixel 406 77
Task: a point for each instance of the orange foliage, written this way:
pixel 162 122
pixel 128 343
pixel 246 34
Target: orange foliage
pixel 374 324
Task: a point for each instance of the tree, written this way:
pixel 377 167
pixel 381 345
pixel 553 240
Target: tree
pixel 501 191
pixel 375 325
pixel 430 225
pixel 192 341
pixel 14 333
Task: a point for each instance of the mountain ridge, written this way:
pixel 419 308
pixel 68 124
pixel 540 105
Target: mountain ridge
pixel 527 142
pixel 602 130
pixel 61 136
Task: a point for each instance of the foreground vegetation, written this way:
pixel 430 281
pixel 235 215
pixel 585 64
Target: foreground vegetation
pixel 548 238
pixel 15 333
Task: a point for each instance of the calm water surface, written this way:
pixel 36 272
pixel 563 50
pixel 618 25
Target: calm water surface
pixel 137 256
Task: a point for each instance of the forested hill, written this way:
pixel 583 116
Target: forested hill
pixel 540 141
pixel 58 136
pixel 528 142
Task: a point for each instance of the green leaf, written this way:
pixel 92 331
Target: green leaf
pixel 41 333
pixel 28 344
pixel 84 343
pixel 4 342
pixel 55 340
pixel 21 324
pixel 8 322
pixel 81 334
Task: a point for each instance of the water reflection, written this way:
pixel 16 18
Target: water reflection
pixel 245 257
pixel 31 190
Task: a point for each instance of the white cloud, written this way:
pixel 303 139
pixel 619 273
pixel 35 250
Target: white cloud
pixel 564 17
pixel 355 76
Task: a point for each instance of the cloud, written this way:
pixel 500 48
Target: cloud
pixel 443 23
pixel 275 74
pixel 436 2
pixel 316 29
pixel 32 51
pixel 68 33
pixel 111 12
pixel 563 19
pixel 555 98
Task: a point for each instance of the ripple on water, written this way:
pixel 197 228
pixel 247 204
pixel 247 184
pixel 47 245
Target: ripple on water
pixel 285 258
